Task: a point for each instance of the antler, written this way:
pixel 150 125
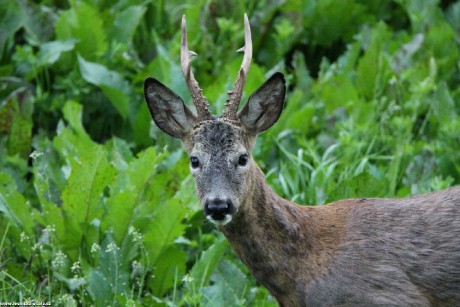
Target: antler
pixel 202 105
pixel 234 96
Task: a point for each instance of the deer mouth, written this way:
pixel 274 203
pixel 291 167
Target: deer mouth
pixel 221 221
pixel 219 211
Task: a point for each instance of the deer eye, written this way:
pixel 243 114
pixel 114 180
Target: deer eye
pixel 243 160
pixel 194 162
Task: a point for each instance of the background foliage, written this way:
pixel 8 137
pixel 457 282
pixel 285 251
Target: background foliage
pixel 97 205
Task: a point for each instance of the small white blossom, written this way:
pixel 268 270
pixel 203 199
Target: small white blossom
pixel 49 229
pixel 187 278
pixel 59 260
pixel 112 247
pixel 137 268
pixel 24 237
pixel 67 300
pixel 37 246
pixel 137 236
pixel 35 154
pixel 95 247
pixel 75 267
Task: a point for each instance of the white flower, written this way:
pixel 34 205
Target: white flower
pixel 35 154
pixel 37 246
pixel 95 247
pixel 187 278
pixel 137 236
pixel 50 228
pixel 112 247
pixel 23 237
pixel 59 260
pixel 75 267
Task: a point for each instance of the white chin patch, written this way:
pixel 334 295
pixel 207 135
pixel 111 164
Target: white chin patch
pixel 226 220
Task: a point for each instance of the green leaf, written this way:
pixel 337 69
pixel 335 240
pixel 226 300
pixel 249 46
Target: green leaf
pixel 127 193
pixel 73 283
pixel 84 23
pixel 72 112
pixel 20 137
pixel 170 264
pixel 164 228
pixel 112 84
pixel 230 286
pixel 13 16
pixel 50 52
pixel 373 72
pixel 337 92
pixel 14 206
pixel 110 278
pixel 88 179
pixel 99 289
pixel 203 269
pixel 125 23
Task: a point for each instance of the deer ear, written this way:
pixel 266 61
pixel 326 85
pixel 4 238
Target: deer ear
pixel 167 109
pixel 265 105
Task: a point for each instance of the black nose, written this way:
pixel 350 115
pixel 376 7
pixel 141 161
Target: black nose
pixel 218 208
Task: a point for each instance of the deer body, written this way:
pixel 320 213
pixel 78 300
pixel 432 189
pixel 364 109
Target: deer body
pixel 357 252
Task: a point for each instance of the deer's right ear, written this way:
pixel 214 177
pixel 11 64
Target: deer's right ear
pixel 167 109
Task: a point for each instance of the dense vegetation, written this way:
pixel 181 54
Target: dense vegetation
pixel 97 206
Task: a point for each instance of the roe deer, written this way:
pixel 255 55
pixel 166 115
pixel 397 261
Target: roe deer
pixel 355 252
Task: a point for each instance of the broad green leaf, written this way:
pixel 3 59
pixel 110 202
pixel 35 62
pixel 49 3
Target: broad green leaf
pixel 127 193
pixel 12 17
pixel 20 136
pixel 72 141
pixel 119 153
pixel 72 112
pixel 73 283
pixel 84 23
pixel 48 183
pixel 99 288
pixel 126 22
pixel 16 123
pixel 423 13
pixel 168 266
pixel 443 104
pixel 164 228
pixel 50 52
pixel 230 285
pixel 327 22
pixel 203 269
pixel 110 277
pixel 373 71
pixel 14 206
pixel 112 84
pixel 337 92
pixel 90 175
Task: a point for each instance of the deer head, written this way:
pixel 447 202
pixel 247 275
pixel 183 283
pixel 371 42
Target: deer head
pixel 219 147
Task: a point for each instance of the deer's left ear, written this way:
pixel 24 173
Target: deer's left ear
pixel 265 105
pixel 167 109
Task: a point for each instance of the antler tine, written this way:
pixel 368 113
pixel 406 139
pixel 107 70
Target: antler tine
pixel 234 96
pixel 202 105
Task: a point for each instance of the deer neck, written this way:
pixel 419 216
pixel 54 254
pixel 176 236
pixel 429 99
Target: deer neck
pixel 270 235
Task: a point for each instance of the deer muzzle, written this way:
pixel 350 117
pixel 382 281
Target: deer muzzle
pixel 219 211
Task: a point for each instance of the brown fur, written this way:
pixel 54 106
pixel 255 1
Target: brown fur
pixel 357 252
